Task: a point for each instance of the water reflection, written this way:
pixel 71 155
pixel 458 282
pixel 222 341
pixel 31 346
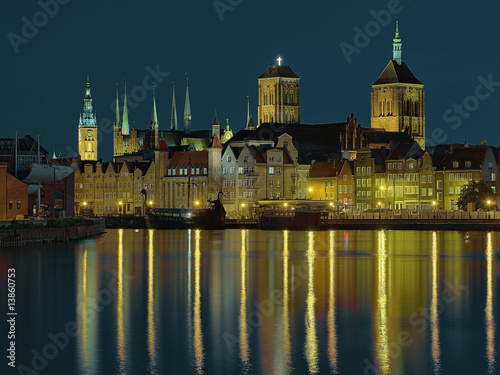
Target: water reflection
pixel 382 345
pixel 120 316
pixel 490 320
pixel 286 309
pixel 198 333
pixel 151 306
pixel 244 350
pixel 436 351
pixel 311 344
pixel 332 329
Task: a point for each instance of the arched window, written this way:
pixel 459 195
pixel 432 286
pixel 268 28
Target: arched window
pixel 18 205
pixel 11 205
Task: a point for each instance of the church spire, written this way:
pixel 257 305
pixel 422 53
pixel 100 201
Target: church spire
pixel 125 124
pixel 117 110
pixel 154 116
pixel 248 110
pixel 397 46
pixel 173 117
pixel 187 110
pixel 88 110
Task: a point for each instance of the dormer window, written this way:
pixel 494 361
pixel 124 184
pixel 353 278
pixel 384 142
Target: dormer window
pixel 467 164
pixel 455 164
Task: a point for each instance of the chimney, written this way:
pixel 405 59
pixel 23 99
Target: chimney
pixel 484 143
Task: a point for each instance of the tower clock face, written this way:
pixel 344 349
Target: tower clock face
pixel 89 133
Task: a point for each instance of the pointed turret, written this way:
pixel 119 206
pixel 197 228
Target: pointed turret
pixel 173 117
pixel 216 127
pixel 187 110
pixel 251 125
pixel 397 46
pixel 117 110
pixel 125 124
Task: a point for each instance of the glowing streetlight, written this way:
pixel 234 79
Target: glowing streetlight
pixel 84 203
pixel 243 205
pixel 197 203
pixel 285 204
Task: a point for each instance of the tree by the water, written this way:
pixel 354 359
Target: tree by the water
pixel 477 192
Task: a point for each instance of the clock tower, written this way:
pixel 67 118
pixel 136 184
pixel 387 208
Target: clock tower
pixel 87 129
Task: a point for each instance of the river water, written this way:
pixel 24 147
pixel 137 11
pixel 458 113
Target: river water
pixel 256 302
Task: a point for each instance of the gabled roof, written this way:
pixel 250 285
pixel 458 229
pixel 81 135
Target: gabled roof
pixel 405 150
pixel 395 73
pixel 325 169
pixel 279 71
pixel 461 154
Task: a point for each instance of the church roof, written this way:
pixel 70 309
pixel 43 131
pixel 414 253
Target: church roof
pixel 279 71
pixel 395 73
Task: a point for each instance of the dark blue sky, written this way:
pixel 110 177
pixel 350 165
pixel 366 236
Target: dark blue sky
pixel 447 44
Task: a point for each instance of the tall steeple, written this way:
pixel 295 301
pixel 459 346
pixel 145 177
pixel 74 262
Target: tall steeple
pixel 187 110
pixel 248 110
pixel 87 128
pixel 216 127
pixel 397 46
pixel 125 124
pixel 154 116
pixel 173 117
pixel 117 110
pixel 88 110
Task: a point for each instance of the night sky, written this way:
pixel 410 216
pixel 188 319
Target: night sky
pixel 447 44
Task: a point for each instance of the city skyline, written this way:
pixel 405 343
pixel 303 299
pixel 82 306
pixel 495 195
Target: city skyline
pixel 223 72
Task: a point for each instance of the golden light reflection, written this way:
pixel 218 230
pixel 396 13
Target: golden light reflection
pixel 382 348
pixel 244 349
pixel 286 300
pixel 490 322
pixel 198 334
pixel 311 344
pixel 151 304
pixel 332 329
pixel 436 351
pixel 84 312
pixel 119 307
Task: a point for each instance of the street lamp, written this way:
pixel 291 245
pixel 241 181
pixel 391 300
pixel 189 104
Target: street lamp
pixel 121 205
pixel 434 206
pixel 285 204
pixel 489 209
pixel 197 203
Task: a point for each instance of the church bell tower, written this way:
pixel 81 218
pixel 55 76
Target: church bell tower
pixel 398 100
pixel 279 95
pixel 87 128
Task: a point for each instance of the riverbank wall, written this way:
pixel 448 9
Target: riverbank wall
pixel 12 236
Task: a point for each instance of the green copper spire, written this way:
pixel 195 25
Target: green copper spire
pixel 88 118
pixel 397 46
pixel 173 117
pixel 125 124
pixel 187 110
pixel 154 117
pixel 117 110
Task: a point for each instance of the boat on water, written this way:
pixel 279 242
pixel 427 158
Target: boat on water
pixel 187 218
pixel 294 219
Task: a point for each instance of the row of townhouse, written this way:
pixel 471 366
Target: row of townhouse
pixel 261 170
pixel 403 177
pixel 170 179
